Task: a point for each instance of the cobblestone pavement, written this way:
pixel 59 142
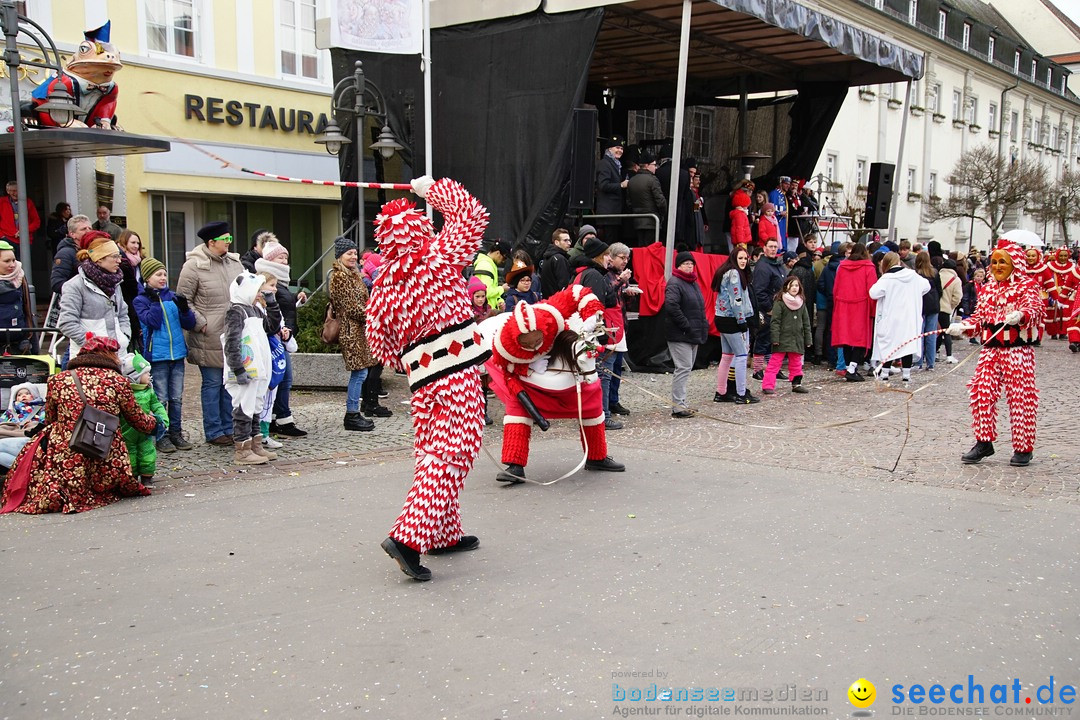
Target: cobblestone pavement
pixel 793 436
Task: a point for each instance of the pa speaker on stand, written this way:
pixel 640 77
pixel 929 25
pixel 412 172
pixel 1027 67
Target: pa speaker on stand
pixel 879 196
pixel 582 159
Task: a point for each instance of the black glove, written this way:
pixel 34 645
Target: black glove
pixel 150 293
pixel 181 303
pixel 241 376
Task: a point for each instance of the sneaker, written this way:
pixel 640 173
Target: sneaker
pixel 618 409
pixel 723 397
pixel 180 442
pixel 759 375
pixel 746 399
pixel 287 429
pixel 269 442
pixel 951 360
pixel 799 389
pixel 383 394
pixel 607 464
pixel 613 424
pixel 165 445
pixel 854 377
pixel 841 372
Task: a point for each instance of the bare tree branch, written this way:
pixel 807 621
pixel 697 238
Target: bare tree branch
pixel 1060 205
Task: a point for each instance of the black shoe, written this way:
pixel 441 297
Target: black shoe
pixel 746 399
pixel 1018 459
pixel 854 377
pixel 375 410
pixel 287 430
pixel 487 420
pixel 356 421
pixel 724 397
pixel 514 474
pixel 682 414
pixel 978 452
pixel 407 559
pixel 1074 347
pixel 613 424
pixel 165 445
pixel 606 464
pixel 467 542
pixel 781 375
pixel 180 443
pixel 618 409
pixel 383 394
pixel 799 389
pixel 759 375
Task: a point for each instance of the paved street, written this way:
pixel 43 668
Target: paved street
pixel 726 556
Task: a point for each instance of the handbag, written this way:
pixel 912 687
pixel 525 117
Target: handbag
pixel 94 429
pixel 331 327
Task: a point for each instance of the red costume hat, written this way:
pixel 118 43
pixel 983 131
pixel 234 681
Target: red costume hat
pixel 1017 253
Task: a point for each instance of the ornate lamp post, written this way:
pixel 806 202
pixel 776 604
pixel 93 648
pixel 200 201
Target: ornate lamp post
pixel 60 105
pixel 367 99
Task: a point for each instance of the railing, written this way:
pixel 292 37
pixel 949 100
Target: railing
pixel 656 220
pixel 319 260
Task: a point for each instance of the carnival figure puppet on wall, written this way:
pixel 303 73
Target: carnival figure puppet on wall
pixel 88 78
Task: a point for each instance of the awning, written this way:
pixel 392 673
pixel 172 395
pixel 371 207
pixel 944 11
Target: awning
pixel 62 143
pixel 756 45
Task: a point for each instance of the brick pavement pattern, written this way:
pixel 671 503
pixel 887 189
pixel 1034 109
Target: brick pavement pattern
pixel 792 436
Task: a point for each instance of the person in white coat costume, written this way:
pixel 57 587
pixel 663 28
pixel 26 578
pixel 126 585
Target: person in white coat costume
pixel 898 321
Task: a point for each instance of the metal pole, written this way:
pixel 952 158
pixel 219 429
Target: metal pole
pixel 676 142
pixel 899 159
pixel 12 59
pixel 359 116
pixel 428 160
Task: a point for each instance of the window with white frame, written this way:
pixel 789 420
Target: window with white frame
pixel 992 116
pixel 170 27
pixel 957 104
pixel 1054 136
pixel 1016 63
pixel 913 94
pixel 912 178
pixel 935 101
pixel 942 16
pixel 299 56
pixel 933 185
pixel 699 135
pixel 830 167
pixel 860 172
pixel 990 48
pixel 1014 125
pixel 887 91
pixel 912 11
pixel 972 111
pixel 1034 69
pixel 1036 131
pixel 879 4
pixel 1049 77
pixel 967 36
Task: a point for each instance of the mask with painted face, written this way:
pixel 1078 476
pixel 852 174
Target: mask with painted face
pixel 1001 265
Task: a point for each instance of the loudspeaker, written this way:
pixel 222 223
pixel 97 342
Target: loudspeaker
pixel 879 196
pixel 582 159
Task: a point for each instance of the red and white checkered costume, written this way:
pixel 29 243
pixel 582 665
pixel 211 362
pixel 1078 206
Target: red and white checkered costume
pixel 1061 284
pixel 1041 275
pixel 419 320
pixel 1007 357
pixel 554 390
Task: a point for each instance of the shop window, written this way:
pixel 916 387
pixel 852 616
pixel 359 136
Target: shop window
pixel 170 27
pixel 299 56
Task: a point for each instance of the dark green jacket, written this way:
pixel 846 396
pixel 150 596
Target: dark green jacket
pixel 791 330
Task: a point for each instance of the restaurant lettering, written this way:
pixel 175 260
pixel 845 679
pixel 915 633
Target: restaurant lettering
pixel 218 111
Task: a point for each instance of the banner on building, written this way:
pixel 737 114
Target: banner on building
pixel 382 26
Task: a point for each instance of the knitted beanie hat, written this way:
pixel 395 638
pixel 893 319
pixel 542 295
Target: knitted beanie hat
pixel 134 367
pixel 271 251
pixel 99 343
pixel 342 245
pixel 684 256
pixel 149 266
pixel 476 285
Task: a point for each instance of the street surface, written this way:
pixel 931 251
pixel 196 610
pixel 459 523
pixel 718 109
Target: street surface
pixel 725 557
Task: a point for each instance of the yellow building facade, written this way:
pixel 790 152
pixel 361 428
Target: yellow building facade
pixel 241 79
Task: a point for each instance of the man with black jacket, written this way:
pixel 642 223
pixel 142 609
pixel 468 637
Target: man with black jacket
pixel 65 264
pixel 555 272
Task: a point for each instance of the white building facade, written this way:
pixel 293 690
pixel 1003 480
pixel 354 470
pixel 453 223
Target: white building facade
pixel 982 85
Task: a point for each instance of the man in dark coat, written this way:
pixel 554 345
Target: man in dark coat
pixel 555 272
pixel 258 238
pixel 646 196
pixel 610 184
pixel 684 213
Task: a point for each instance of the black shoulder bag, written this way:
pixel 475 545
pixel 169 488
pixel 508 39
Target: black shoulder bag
pixel 94 429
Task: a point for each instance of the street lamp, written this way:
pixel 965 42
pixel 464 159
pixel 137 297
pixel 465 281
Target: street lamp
pixel 367 99
pixel 59 105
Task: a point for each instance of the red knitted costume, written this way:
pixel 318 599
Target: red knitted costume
pixel 419 319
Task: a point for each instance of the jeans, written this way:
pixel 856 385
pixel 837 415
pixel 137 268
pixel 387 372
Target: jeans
pixel 929 352
pixel 216 404
pixel 616 379
pixel 9 448
pixel 281 401
pixel 683 355
pixel 356 387
pixel 168 377
pixel 605 370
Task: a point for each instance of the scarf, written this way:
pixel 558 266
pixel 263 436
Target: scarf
pixel 281 272
pixel 134 259
pixel 793 302
pixel 690 277
pixel 106 281
pixel 15 277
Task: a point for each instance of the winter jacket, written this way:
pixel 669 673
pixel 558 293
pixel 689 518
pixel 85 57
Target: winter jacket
pixel 769 274
pixel 14 310
pixel 65 264
pixel 248 259
pixel 804 270
pixel 488 272
pixel 740 227
pixel 898 321
pixel 163 326
pixel 555 272
pixel 84 307
pixel 350 297
pixel 204 281
pixel 733 304
pixel 609 192
pixel 931 301
pixel 512 297
pixel 684 305
pixel 827 278
pixel 594 276
pixel 235 318
pixel 130 287
pixel 791 331
pixel 952 289
pixel 853 310
pixel 140 445
pixel 646 196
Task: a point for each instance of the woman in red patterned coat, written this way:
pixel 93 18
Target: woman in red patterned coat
pixel 60 479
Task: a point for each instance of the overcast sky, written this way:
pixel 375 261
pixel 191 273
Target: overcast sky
pixel 1070 8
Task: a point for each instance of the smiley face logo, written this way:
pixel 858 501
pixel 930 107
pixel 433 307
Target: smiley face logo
pixel 862 693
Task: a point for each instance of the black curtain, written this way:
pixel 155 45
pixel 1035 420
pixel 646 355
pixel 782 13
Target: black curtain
pixel 812 116
pixel 504 93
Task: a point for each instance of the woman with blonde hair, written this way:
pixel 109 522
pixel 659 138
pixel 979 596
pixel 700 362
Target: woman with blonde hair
pixel 92 301
pixel 349 296
pixel 132 254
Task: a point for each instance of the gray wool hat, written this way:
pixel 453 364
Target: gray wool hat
pixel 342 245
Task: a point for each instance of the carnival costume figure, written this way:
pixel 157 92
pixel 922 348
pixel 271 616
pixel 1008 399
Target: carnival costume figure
pixel 543 366
pixel 419 320
pixel 1064 277
pixel 88 79
pixel 1008 318
pixel 1035 267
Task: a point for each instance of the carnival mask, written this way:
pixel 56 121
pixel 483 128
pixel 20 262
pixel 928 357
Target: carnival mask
pixel 1001 265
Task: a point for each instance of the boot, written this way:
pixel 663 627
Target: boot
pixel 1019 459
pixel 467 542
pixel 1074 347
pixel 356 421
pixel 372 408
pixel 257 448
pixel 797 386
pixel 243 456
pixel 978 452
pixel 407 559
pixel 513 474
